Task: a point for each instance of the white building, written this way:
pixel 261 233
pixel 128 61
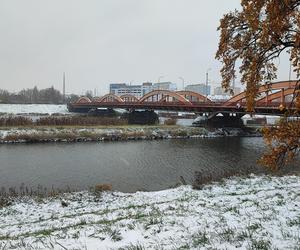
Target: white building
pixel 165 86
pixel 135 90
pixel 221 91
pixel 199 88
pixel 139 90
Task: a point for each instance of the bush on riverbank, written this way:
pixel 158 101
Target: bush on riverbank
pixel 170 121
pixel 80 121
pixel 13 193
pixel 12 121
pixel 20 121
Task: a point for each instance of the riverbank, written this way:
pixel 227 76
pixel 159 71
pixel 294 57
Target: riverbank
pixel 245 213
pixel 112 133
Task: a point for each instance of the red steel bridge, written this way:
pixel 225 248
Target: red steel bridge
pixel 272 100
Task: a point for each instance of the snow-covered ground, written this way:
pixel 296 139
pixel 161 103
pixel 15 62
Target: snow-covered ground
pixel 21 135
pixel 239 213
pixel 33 108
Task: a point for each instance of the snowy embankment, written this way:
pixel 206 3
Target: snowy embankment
pixel 33 109
pixel 242 213
pixel 74 134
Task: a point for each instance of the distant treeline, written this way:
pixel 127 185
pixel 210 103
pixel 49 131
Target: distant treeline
pixel 42 96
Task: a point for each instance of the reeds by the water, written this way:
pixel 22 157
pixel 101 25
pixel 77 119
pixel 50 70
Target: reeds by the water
pixel 11 121
pixel 10 194
pixel 21 121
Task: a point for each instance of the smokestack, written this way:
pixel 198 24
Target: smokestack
pixel 64 88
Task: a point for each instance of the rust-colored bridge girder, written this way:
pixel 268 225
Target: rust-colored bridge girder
pixel 129 98
pixel 110 98
pixel 266 88
pixel 163 95
pixel 275 96
pixel 193 96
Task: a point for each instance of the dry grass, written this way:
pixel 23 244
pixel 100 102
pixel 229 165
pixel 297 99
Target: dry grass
pixel 11 121
pixel 80 121
pixel 103 187
pixel 10 194
pixel 170 121
pixel 20 121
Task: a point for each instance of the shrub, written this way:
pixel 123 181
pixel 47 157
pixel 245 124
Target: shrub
pixel 170 121
pixel 15 121
pixel 10 121
pixel 103 187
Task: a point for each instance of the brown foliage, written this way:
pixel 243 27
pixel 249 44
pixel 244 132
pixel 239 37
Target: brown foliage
pixel 103 187
pixel 283 142
pixel 15 121
pixel 253 38
pixel 19 121
pixel 170 121
pixel 79 121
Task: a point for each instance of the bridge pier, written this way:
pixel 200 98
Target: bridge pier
pixel 147 117
pixel 226 120
pixel 73 109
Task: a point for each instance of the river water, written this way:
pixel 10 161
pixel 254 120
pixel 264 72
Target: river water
pixel 128 166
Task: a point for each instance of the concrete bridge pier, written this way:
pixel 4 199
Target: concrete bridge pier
pixel 221 120
pixel 147 117
pixel 73 109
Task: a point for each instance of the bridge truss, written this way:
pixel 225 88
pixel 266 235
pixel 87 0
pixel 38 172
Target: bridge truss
pixel 273 98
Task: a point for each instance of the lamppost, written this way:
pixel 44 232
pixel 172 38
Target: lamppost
pixel 181 78
pixel 160 78
pixel 159 81
pixel 206 83
pixel 290 70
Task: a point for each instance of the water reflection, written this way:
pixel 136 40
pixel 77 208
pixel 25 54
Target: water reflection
pixel 128 166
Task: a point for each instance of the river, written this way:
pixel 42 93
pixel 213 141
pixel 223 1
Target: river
pixel 128 166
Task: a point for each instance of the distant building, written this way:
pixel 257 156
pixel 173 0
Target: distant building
pixel 113 87
pixel 135 90
pixel 199 88
pixel 165 86
pixel 139 90
pixel 221 91
pixel 147 87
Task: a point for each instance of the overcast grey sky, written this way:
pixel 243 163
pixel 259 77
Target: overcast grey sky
pixel 97 42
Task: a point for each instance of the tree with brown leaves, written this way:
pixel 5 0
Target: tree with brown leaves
pixel 254 38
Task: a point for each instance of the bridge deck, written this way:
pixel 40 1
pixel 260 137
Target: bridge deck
pixel 203 107
pixel 273 100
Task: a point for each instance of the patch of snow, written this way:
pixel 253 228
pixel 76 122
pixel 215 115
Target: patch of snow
pixel 244 213
pixel 33 108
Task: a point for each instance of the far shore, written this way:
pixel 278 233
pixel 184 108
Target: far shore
pixel 47 134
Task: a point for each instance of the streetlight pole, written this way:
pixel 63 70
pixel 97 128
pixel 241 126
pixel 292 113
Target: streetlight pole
pixel 159 81
pixel 290 72
pixel 206 83
pixel 181 78
pixel 160 78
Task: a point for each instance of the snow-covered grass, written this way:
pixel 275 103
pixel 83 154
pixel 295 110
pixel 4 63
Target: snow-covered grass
pixel 114 133
pixel 33 108
pixel 107 133
pixel 243 213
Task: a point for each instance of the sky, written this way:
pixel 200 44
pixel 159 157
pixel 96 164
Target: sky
pixel 97 42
